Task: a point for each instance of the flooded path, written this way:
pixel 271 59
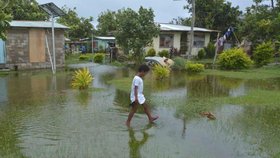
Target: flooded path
pixel 41 116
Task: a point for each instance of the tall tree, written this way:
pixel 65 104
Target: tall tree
pixel 25 10
pixel 135 30
pixel 261 23
pixel 106 23
pixel 215 14
pixel 78 27
pixel 181 21
pixel 4 19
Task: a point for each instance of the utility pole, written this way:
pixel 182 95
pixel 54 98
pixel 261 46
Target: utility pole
pixel 52 10
pixel 192 30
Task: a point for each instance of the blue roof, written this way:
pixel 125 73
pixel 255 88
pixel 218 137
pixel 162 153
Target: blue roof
pixel 36 24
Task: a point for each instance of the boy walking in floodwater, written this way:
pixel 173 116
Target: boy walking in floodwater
pixel 136 95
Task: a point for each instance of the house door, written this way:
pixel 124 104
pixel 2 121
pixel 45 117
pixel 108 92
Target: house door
pixel 2 52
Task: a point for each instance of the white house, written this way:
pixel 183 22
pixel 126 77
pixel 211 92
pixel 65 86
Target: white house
pixel 178 36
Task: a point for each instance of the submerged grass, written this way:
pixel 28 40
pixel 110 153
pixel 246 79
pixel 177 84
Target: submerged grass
pixel 258 98
pixel 255 97
pixel 4 73
pixel 122 84
pixel 260 73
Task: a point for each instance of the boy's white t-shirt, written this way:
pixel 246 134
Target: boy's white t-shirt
pixel 137 81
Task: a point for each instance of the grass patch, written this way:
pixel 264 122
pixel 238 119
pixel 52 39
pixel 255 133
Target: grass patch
pixel 74 59
pixel 122 84
pixel 204 61
pixel 257 98
pixel 4 73
pixel 194 106
pixel 260 73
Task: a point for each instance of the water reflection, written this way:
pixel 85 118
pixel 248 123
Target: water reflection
pixel 83 97
pixel 206 87
pixel 3 90
pixel 135 143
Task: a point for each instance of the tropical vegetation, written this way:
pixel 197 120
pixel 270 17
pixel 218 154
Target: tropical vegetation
pixel 161 72
pixel 82 79
pixel 234 59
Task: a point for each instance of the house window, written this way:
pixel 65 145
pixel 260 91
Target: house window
pixel 199 40
pixel 166 41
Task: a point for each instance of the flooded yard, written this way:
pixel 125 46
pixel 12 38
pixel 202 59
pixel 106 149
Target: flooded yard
pixel 41 116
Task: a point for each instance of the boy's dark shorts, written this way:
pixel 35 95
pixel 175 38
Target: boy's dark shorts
pixel 133 103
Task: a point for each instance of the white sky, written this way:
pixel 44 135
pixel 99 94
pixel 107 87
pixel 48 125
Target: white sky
pixel 164 10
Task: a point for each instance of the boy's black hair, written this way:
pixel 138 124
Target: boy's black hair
pixel 143 68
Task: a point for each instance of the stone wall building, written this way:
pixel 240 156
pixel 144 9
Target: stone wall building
pixel 27 45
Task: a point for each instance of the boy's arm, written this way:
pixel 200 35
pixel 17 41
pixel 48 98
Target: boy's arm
pixel 136 94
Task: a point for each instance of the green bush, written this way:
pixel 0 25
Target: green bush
pixel 163 53
pixel 161 72
pixel 179 63
pixel 263 54
pixel 151 52
pixel 98 57
pixel 82 79
pixel 194 67
pixel 84 57
pixel 122 58
pixel 201 54
pixel 210 50
pixel 234 59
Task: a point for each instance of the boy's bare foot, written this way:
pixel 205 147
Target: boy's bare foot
pixel 154 118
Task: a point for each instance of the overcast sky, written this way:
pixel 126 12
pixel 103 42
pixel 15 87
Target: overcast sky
pixel 164 10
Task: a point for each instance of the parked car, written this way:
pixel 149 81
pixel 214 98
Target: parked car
pixel 151 61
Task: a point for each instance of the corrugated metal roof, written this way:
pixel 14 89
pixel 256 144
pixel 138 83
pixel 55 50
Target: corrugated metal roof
pixel 36 24
pixel 105 38
pixel 174 27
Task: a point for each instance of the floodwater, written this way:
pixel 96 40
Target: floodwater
pixel 42 117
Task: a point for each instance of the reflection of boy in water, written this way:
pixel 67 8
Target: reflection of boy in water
pixel 135 144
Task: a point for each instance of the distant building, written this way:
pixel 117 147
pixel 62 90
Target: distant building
pixel 178 36
pixel 26 45
pixel 97 43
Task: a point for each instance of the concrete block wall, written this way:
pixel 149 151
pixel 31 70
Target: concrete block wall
pixel 17 46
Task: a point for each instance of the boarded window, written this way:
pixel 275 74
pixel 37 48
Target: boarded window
pixel 37 45
pixel 166 41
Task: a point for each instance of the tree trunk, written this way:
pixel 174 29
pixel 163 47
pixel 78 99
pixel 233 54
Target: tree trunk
pixel 192 29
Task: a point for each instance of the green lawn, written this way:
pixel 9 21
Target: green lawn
pixel 257 73
pixel 74 59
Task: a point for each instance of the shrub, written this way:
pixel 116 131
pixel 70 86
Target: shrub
pixel 122 58
pixel 161 72
pixel 201 54
pixel 179 63
pixel 82 79
pixel 210 50
pixel 163 53
pixel 234 59
pixel 84 57
pixel 151 52
pixel 98 57
pixel 194 67
pixel 263 54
